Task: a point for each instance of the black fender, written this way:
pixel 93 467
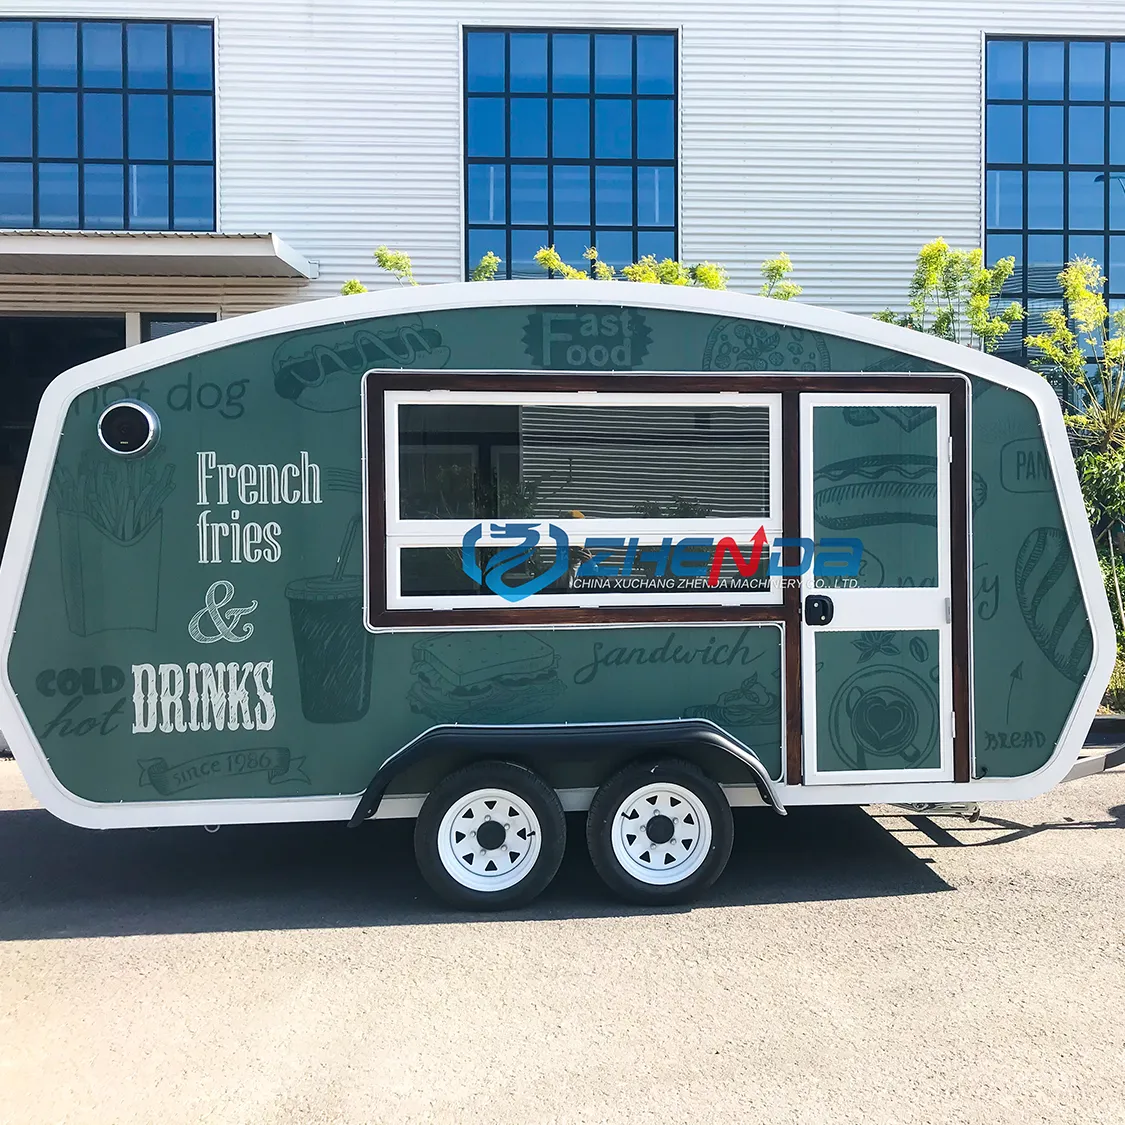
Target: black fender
pixel 535 743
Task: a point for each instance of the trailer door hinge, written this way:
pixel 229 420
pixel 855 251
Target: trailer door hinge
pixel 949 611
pixel 951 449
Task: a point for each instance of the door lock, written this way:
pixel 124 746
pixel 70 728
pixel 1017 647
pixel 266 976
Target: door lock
pixel 818 610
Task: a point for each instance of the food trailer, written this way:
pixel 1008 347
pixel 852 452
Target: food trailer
pixel 486 554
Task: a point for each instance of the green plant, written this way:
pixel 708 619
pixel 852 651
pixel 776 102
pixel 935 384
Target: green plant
pixel 352 287
pixel 485 269
pixel 398 262
pixel 775 272
pixel 647 270
pixel 1096 341
pixel 952 294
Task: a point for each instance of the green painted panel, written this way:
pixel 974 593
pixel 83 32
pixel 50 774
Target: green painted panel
pixel 225 568
pixel 875 479
pixel 877 701
pixel 1032 644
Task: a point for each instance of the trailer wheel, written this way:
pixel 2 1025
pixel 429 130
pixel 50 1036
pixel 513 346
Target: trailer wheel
pixel 659 832
pixel 490 836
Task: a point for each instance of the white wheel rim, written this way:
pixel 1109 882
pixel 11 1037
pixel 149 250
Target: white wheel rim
pixel 653 859
pixel 495 863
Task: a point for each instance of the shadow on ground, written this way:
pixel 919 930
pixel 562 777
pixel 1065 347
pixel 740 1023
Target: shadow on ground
pixel 57 881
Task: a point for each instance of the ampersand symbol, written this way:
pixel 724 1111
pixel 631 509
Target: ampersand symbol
pixel 226 622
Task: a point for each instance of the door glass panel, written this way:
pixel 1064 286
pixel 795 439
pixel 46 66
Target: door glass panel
pixel 877 701
pixel 875 479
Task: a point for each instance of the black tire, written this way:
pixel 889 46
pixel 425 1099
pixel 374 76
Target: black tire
pixel 454 875
pixel 702 866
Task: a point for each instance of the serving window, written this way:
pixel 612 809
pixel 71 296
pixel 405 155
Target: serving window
pixel 576 499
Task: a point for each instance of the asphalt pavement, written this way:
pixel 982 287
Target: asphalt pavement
pixel 851 966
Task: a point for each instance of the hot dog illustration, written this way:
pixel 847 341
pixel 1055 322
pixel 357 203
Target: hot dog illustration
pixel 324 375
pixel 882 488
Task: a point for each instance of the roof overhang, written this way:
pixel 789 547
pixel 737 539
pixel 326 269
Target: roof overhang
pixel 150 254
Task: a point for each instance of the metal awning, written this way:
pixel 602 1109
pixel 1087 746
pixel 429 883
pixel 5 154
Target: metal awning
pixel 150 254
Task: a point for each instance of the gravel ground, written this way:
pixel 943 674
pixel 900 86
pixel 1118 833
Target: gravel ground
pixel 851 966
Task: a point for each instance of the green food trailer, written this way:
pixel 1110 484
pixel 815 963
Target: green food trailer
pixel 485 554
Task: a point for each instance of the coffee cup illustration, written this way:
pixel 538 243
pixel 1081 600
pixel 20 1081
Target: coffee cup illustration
pixel 884 718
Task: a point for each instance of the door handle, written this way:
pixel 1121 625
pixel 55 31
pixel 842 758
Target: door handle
pixel 818 610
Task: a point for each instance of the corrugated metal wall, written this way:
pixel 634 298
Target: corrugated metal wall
pixel 844 133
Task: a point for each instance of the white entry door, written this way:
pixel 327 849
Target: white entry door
pixel 876 646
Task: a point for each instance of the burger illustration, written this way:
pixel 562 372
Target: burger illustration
pixel 483 677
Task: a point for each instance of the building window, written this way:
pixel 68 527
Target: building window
pixel 1055 167
pixel 156 325
pixel 107 125
pixel 571 141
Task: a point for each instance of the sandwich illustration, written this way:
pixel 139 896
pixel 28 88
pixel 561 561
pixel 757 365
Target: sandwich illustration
pixel 323 374
pixel 483 677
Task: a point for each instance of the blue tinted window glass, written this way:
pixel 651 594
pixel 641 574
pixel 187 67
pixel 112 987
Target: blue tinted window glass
pixel 103 192
pixel 1044 134
pixel 194 191
pixel 572 195
pixel 1117 264
pixel 1044 200
pixel 570 128
pixel 525 245
pixel 58 196
pixel 485 61
pixel 656 130
pixel 58 124
pixel 529 193
pixel 1005 199
pixel 613 64
pixel 571 245
pixel 1044 262
pixel 486 127
pixel 999 246
pixel 483 242
pixel 148 127
pixel 1087 71
pixel 570 66
pixel 1045 71
pixel 660 244
pixel 191 127
pixel 487 194
pixel 614 196
pixel 528 63
pixel 656 64
pixel 1117 201
pixel 16 195
pixel 15 124
pixel 58 54
pixel 102 127
pixel 101 54
pixel 615 247
pixel 1117 72
pixel 191 57
pixel 1004 134
pixel 15 55
pixel 613 129
pixel 1086 246
pixel 1087 201
pixel 529 127
pixel 148 197
pixel 1087 134
pixel 146 52
pixel 1004 69
pixel 1117 135
pixel 656 197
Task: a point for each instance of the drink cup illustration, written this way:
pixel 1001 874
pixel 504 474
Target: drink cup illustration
pixel 333 647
